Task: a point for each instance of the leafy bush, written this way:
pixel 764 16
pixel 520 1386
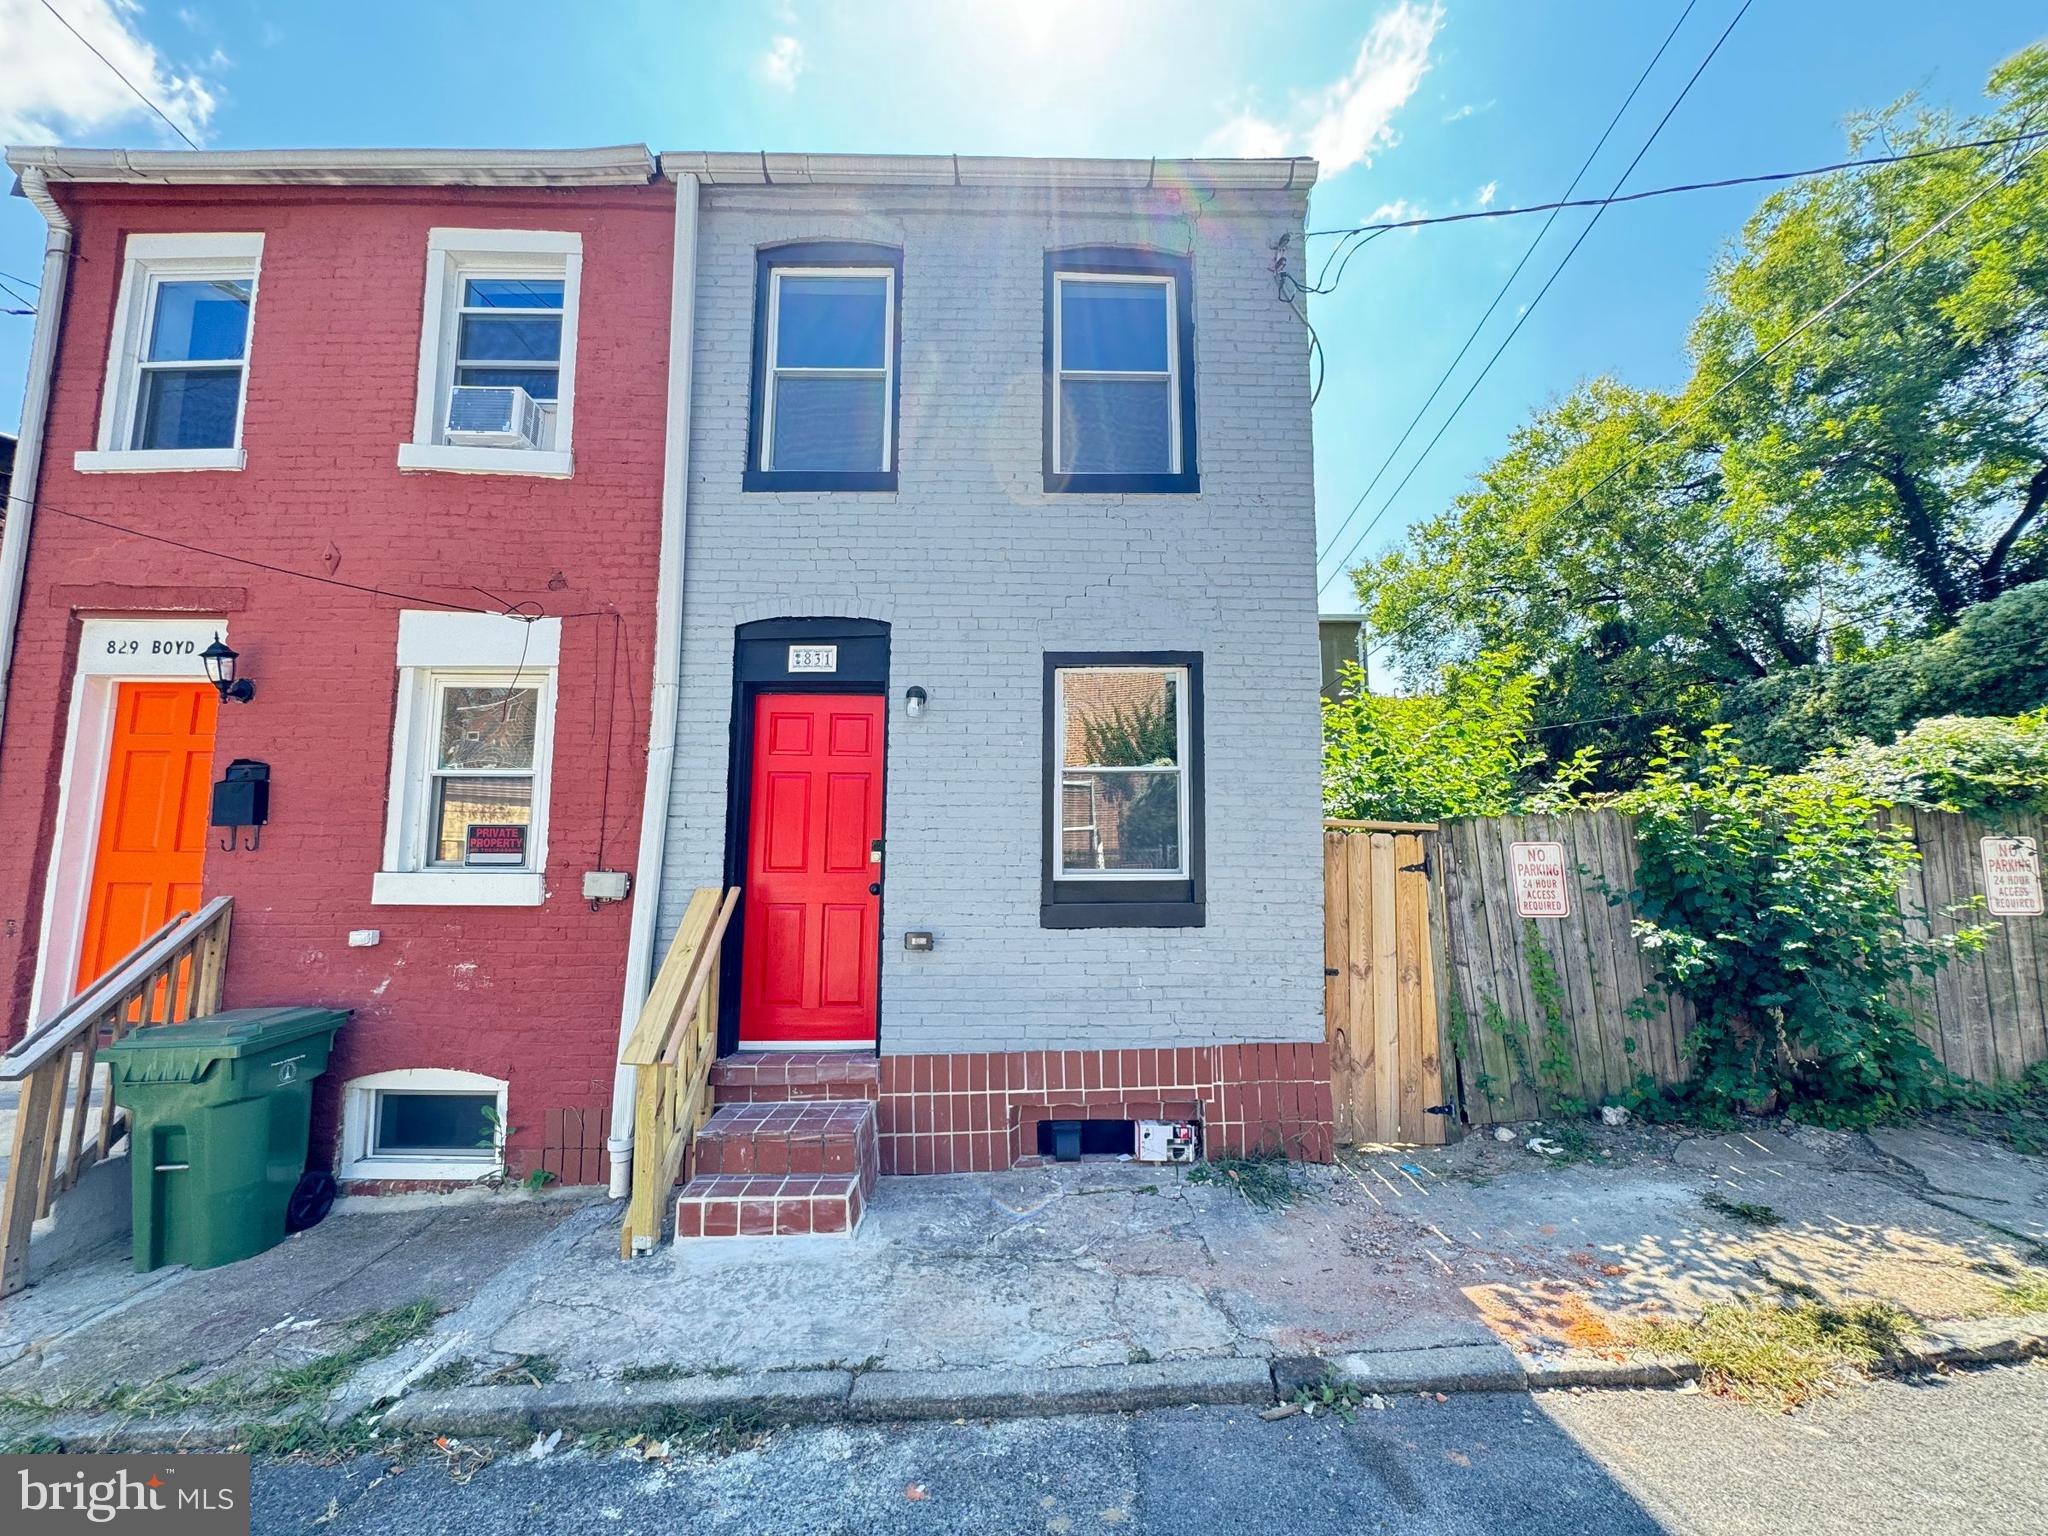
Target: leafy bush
pixel 1993 662
pixel 1770 901
pixel 1952 763
pixel 1461 752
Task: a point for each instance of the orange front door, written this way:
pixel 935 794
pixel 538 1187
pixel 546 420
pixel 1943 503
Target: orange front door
pixel 810 942
pixel 152 843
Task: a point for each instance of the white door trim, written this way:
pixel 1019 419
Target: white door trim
pixel 162 648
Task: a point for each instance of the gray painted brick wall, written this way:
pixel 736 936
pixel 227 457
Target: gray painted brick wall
pixel 980 572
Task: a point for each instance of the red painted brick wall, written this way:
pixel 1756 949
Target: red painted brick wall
pixel 528 994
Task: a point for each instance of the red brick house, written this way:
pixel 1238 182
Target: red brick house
pixel 246 438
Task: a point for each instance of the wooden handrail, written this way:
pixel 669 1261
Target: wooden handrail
pixel 63 1026
pixel 171 976
pixel 670 1050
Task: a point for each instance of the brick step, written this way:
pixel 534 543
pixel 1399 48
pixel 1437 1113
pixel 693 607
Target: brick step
pixel 802 1136
pixel 772 1077
pixel 737 1205
pixel 793 1168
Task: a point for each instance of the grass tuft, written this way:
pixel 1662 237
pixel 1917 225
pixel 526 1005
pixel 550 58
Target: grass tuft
pixel 1741 1210
pixel 2028 1295
pixel 1778 1354
pixel 1266 1182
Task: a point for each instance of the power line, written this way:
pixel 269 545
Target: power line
pixel 16 294
pixel 1757 179
pixel 1529 309
pixel 159 111
pixel 25 282
pixel 1451 368
pixel 1807 324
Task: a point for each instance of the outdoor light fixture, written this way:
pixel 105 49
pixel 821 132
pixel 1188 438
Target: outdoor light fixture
pixel 220 671
pixel 913 702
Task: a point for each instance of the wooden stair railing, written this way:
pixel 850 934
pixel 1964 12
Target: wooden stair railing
pixel 173 975
pixel 671 1051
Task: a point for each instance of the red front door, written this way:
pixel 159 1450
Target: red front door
pixel 812 908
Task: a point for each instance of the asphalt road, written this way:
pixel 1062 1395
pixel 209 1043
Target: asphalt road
pixel 1958 1454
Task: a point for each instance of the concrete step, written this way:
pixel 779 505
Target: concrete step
pixel 771 1077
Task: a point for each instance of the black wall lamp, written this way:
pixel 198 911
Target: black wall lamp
pixel 914 700
pixel 220 671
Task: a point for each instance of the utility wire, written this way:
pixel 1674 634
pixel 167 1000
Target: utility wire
pixel 25 282
pixel 1452 367
pixel 1998 180
pixel 159 111
pixel 1757 179
pixel 1530 308
pixel 16 294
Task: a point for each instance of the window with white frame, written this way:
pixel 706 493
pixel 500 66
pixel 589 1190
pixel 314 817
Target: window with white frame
pixel 467 820
pixel 497 353
pixel 1123 790
pixel 178 364
pixel 824 409
pixel 1119 387
pixel 422 1123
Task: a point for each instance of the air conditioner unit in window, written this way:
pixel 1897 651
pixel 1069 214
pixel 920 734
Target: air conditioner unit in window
pixel 494 416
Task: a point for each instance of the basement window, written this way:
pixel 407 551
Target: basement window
pixel 422 1123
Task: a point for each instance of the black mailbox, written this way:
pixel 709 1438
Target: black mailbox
pixel 242 797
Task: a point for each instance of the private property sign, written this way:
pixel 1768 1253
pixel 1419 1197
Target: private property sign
pixel 1536 871
pixel 2012 876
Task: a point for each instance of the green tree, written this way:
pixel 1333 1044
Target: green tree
pixel 1461 751
pixel 1908 432
pixel 1861 487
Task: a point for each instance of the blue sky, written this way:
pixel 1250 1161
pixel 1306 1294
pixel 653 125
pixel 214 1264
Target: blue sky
pixel 1428 108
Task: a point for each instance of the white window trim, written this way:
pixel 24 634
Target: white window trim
pixel 146 261
pixel 435 648
pixel 1061 870
pixel 772 345
pixel 452 255
pixel 1061 373
pixel 359 1126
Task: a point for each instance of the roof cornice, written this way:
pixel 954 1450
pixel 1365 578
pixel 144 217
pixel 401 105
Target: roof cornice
pixel 750 168
pixel 622 165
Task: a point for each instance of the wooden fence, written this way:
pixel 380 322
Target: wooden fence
pixel 1533 1010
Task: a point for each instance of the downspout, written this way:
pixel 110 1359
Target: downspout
pixel 668 664
pixel 35 411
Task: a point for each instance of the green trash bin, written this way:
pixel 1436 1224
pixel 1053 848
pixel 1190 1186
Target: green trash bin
pixel 220 1110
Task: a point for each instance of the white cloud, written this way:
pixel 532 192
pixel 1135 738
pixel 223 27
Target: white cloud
pixel 783 62
pixel 57 90
pixel 1469 109
pixel 1484 197
pixel 1248 136
pixel 1347 123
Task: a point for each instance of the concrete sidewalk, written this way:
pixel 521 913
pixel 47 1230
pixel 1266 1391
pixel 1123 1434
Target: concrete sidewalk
pixel 1478 1266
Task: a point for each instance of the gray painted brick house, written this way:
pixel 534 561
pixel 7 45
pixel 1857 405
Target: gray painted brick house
pixel 997 601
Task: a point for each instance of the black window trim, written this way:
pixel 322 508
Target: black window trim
pixel 822 253
pixel 1134 261
pixel 1172 903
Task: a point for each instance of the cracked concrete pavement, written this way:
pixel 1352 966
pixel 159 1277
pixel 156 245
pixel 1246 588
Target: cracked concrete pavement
pixel 1093 1264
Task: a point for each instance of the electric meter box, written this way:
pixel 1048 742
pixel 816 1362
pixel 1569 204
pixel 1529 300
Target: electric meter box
pixel 1168 1141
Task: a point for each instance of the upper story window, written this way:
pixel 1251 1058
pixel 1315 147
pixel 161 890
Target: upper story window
pixel 826 348
pixel 1119 372
pixel 1123 834
pixel 178 363
pixel 497 378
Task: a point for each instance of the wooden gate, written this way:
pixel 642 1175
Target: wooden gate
pixel 1380 969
